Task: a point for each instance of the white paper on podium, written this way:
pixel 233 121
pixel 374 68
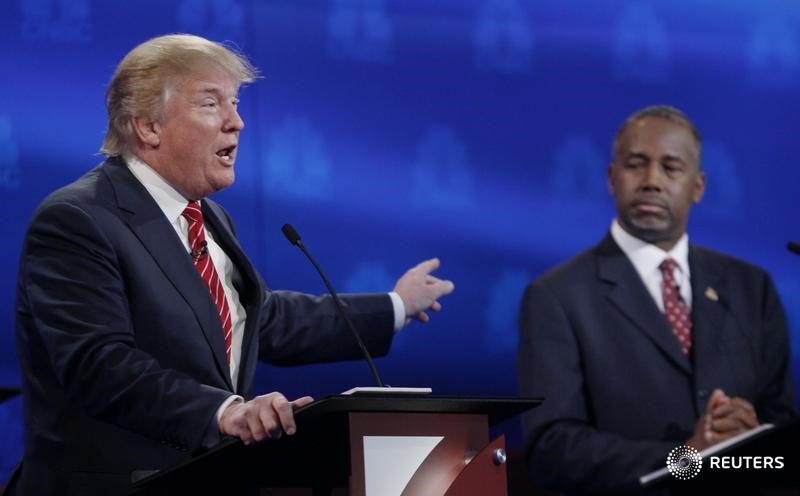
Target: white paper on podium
pixel 391 461
pixel 387 390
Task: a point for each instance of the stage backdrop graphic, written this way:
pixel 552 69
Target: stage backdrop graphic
pixel 388 131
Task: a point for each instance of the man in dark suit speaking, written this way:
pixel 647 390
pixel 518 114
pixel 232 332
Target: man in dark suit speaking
pixel 139 318
pixel 646 342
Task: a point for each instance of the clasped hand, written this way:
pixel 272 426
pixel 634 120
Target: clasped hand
pixel 725 417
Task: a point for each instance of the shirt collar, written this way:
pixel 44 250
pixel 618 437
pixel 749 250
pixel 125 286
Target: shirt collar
pixel 646 257
pixel 166 197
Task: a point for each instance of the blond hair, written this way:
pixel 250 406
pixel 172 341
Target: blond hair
pixel 138 87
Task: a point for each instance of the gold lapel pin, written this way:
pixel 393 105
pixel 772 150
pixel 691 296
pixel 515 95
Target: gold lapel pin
pixel 711 294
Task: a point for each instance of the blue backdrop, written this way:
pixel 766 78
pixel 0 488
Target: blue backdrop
pixel 388 131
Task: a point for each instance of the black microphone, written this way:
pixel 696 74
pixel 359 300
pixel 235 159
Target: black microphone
pixel 794 247
pixel 294 239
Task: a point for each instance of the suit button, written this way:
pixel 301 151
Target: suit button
pixel 702 393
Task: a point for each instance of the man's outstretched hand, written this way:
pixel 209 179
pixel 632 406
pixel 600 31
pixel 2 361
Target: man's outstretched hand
pixel 420 291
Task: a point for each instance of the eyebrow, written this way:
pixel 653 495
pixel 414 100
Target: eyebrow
pixel 211 90
pixel 674 158
pixel 216 92
pixel 631 155
pixel 642 155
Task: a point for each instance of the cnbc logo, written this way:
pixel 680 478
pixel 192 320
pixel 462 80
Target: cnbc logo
pixel 684 462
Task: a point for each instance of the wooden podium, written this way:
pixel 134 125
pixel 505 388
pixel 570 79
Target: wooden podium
pixel 374 445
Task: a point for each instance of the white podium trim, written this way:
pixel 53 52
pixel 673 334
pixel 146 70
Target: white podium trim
pixel 391 461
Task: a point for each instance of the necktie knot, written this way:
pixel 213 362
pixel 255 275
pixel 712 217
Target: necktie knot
pixel 668 269
pixel 668 265
pixel 192 212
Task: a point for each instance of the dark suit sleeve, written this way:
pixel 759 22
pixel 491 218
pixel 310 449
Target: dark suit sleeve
pixel 300 328
pixel 775 400
pixel 563 450
pixel 79 331
pixel 296 328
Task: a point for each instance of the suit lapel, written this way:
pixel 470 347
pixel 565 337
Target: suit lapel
pixel 213 218
pixel 709 316
pixel 159 238
pixel 250 292
pixel 629 295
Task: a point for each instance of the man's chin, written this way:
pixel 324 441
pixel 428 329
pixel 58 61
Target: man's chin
pixel 224 181
pixel 649 230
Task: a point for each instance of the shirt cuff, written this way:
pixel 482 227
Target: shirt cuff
pixel 212 435
pixel 400 319
pixel 230 399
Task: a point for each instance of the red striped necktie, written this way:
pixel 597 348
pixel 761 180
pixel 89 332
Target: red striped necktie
pixel 674 307
pixel 202 260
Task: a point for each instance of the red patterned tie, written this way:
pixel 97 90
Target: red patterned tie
pixel 202 260
pixel 674 307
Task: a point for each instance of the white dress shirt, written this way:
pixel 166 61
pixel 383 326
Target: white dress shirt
pixel 172 204
pixel 647 257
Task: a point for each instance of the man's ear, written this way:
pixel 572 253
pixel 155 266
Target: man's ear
pixel 147 131
pixel 699 187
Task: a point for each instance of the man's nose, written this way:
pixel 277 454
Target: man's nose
pixel 234 121
pixel 651 178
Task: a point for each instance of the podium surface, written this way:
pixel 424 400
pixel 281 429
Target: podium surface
pixel 319 454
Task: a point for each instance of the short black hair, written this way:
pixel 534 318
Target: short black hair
pixel 664 112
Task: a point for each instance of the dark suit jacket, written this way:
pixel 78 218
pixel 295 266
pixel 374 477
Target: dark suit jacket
pixel 619 393
pixel 120 344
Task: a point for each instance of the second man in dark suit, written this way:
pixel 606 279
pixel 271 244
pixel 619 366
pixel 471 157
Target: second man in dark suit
pixel 646 341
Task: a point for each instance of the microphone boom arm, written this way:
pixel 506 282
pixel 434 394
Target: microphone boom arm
pixel 294 238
